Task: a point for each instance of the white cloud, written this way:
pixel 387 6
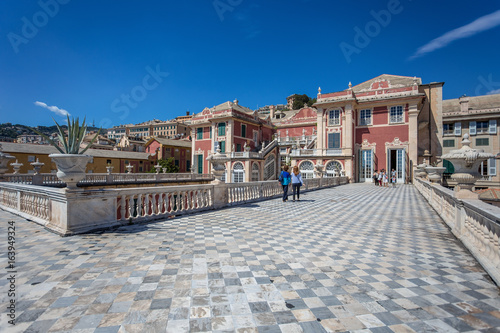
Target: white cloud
pixel 55 109
pixel 492 92
pixel 479 25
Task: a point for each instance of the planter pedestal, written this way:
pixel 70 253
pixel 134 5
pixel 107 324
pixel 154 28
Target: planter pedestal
pixel 71 168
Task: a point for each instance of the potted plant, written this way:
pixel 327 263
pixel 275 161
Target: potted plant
pixel 71 163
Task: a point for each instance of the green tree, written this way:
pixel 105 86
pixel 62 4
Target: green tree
pixel 169 164
pixel 302 100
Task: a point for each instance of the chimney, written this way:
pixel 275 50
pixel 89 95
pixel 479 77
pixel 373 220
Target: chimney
pixel 187 113
pixel 271 110
pixel 464 103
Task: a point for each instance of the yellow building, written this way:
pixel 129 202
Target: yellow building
pixel 28 153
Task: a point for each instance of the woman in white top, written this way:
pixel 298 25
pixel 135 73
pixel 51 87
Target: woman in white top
pixel 296 182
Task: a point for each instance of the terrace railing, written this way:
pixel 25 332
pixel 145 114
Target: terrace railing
pixel 475 223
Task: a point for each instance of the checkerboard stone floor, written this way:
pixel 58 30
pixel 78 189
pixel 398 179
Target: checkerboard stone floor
pixel 352 258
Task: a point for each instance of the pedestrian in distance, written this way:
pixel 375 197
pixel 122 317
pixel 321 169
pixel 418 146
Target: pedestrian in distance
pixel 393 178
pixel 375 177
pixel 380 174
pixel 285 179
pixel 297 182
pixel 385 179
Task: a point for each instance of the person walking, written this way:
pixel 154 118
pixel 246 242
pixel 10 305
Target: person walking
pixel 375 177
pixel 285 180
pixel 385 179
pixel 297 182
pixel 393 178
pixel 380 174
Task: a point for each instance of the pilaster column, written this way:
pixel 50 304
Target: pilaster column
pixel 348 130
pixel 413 134
pixel 229 135
pixel 320 130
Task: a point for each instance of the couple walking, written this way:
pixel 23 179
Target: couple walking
pixel 295 178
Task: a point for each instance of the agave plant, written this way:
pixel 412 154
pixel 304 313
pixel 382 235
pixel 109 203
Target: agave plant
pixel 71 142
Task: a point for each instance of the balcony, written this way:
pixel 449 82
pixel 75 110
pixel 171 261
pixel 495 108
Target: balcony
pixel 316 152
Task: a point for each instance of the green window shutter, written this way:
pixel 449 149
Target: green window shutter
pixel 200 164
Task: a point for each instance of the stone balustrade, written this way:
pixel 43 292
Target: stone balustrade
pixel 68 212
pixel 49 179
pixel 475 223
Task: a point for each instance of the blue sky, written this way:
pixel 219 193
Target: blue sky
pixel 119 62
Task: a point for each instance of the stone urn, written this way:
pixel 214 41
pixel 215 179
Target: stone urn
pixel 420 170
pixel 70 168
pixel 109 169
pixel 4 160
pixel 218 161
pixel 37 166
pixel 158 168
pixel 129 168
pixel 16 166
pixel 466 161
pixel 435 173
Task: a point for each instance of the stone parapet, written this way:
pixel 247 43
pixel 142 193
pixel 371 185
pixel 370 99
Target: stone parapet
pixel 475 223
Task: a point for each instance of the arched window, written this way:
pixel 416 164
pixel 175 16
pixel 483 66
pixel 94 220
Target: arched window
pixel 255 172
pixel 307 169
pixel 238 173
pixel 333 169
pixel 269 168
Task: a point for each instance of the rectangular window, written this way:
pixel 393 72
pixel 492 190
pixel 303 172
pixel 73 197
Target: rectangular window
pixel 333 140
pixel 210 131
pixel 448 129
pixel 493 126
pixel 482 127
pixel 365 117
pixel 448 143
pixel 222 146
pixel 243 130
pixel 396 114
pixel 238 147
pixel 333 117
pixel 492 166
pixel 200 164
pixel 199 133
pixel 458 128
pixel 31 158
pixel 222 129
pixel 472 127
pixel 482 142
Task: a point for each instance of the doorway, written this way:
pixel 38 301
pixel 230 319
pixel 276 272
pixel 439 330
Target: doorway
pixel 397 161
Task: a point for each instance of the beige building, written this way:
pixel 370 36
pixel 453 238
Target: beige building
pixel 479 117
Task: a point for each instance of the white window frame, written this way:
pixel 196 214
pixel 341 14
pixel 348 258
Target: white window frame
pixel 334 117
pixel 457 128
pixel 365 117
pixel 492 166
pixel 396 114
pixel 448 131
pixel 493 126
pixel 308 172
pixel 238 172
pixel 472 127
pixel 484 127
